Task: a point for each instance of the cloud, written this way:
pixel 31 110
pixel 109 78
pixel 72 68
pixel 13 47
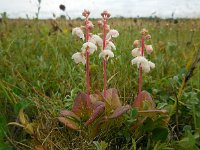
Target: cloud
pixel 126 8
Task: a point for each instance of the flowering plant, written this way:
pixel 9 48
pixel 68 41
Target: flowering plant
pixel 143 65
pixel 108 45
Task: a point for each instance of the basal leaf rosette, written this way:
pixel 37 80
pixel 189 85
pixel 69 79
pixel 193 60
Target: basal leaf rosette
pixel 101 113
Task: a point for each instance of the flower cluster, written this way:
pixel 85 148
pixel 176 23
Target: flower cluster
pixel 138 52
pixel 108 34
pixel 95 40
pixel 90 40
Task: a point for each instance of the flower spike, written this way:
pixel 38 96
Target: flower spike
pixel 142 63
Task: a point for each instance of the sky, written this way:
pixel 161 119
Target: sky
pixel 125 8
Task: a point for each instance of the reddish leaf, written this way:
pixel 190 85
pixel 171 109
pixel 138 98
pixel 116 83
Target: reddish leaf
pixel 67 113
pixel 145 96
pixel 80 105
pixel 96 104
pixel 112 98
pixel 119 111
pixel 96 97
pixel 98 111
pixel 69 123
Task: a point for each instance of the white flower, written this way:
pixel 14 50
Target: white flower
pixel 79 58
pixel 139 60
pixel 91 47
pixel 145 64
pixel 90 25
pixel 95 39
pixel 149 49
pixel 106 54
pixel 78 32
pixel 136 52
pixel 152 65
pixel 112 33
pixel 110 45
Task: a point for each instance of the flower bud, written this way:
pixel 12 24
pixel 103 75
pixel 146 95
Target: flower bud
pixel 86 13
pixel 148 37
pixel 105 13
pixel 149 49
pixel 108 27
pixel 90 25
pixel 144 32
pixel 100 23
pixel 136 43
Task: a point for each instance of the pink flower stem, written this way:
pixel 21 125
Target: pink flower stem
pixel 140 75
pixel 104 61
pixel 87 63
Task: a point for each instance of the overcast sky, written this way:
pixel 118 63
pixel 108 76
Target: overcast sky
pixel 126 8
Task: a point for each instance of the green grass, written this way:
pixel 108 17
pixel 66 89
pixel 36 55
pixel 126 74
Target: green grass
pixel 38 74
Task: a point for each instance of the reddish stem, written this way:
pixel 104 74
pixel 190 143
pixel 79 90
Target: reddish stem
pixel 87 62
pixel 140 75
pixel 104 61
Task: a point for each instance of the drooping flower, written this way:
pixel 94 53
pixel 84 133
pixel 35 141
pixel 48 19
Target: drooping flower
pixel 95 39
pixel 91 47
pixel 144 32
pixel 148 37
pixel 90 25
pixel 151 64
pixel 106 54
pixel 78 32
pixel 144 63
pixel 136 52
pixel 149 49
pixel 112 33
pixel 79 58
pixel 110 45
pixel 100 23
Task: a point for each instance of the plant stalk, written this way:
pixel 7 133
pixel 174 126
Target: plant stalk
pixel 140 74
pixel 87 62
pixel 104 61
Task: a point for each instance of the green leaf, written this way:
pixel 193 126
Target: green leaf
pixel 3 127
pixel 5 147
pixel 160 134
pixel 133 112
pixel 21 105
pixel 148 125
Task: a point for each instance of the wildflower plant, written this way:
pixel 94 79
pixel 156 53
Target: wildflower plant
pixel 87 49
pixel 108 45
pixel 142 63
pixel 92 110
pixel 103 111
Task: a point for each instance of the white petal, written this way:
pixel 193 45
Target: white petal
pixel 139 60
pixel 112 33
pixel 145 64
pixel 152 65
pixel 136 52
pixel 110 45
pixel 91 47
pixel 149 49
pixel 78 32
pixel 79 58
pixel 95 39
pixel 145 67
pixel 106 54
